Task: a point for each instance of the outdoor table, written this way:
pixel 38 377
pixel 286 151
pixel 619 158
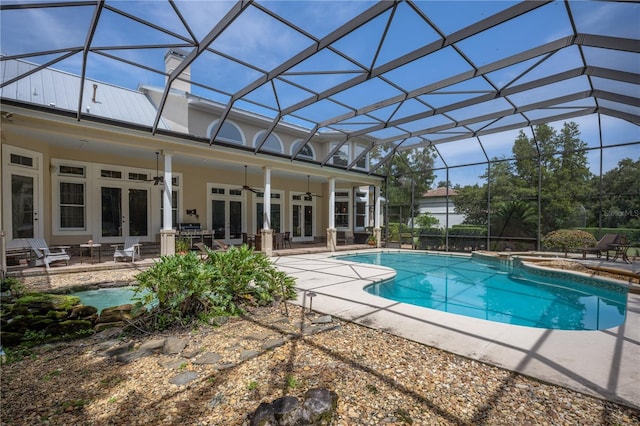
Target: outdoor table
pixel 91 247
pixel 621 252
pixel 17 254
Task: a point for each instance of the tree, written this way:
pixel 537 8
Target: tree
pixel 471 202
pixel 621 196
pixel 426 221
pixel 406 171
pixel 555 159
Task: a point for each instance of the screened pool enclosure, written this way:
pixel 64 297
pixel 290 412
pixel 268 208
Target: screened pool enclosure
pixel 527 113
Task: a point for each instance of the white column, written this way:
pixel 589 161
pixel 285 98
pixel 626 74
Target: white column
pixel 331 230
pixel 267 199
pixel 166 194
pixel 377 232
pixel 376 213
pixel 167 233
pixel 267 232
pixel 332 203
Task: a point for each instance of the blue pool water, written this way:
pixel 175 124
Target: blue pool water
pixel 465 286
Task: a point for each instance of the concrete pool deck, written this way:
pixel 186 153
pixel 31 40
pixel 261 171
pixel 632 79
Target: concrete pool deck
pixel 603 363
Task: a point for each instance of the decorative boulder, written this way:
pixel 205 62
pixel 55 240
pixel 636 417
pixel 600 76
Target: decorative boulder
pixel 317 409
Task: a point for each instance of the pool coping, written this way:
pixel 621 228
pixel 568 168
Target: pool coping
pixel 603 363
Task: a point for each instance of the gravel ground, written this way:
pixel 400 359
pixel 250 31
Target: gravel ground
pixel 380 379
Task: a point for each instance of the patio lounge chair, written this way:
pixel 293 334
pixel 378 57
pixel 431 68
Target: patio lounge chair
pixel 218 245
pixel 204 250
pixel 44 256
pixel 130 249
pixel 602 246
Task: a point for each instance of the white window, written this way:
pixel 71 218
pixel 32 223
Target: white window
pixel 72 205
pixel 276 216
pixel 229 132
pixel 342 210
pixel 362 163
pixel 360 213
pixel 341 156
pixel 174 208
pixel 272 144
pixel 305 152
pixel 70 196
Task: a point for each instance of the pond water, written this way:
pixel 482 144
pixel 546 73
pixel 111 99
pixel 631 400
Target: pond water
pixel 106 297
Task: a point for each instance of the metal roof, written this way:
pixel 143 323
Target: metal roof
pixel 56 89
pixel 400 74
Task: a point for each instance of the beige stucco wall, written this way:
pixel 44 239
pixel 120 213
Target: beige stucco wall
pixel 197 163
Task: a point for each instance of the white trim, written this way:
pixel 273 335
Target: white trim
pixel 231 123
pixel 280 201
pixel 294 146
pixel 36 172
pixel 226 197
pixel 93 182
pixel 274 135
pixel 302 202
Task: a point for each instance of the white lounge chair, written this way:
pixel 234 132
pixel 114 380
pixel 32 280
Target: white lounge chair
pixel 44 256
pixel 130 249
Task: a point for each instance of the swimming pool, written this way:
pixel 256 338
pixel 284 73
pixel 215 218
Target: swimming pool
pixel 464 286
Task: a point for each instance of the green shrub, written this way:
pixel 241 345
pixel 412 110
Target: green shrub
pixel 184 288
pixel 567 240
pixel 249 277
pixel 13 285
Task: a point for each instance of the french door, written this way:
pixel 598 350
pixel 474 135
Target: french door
pixel 124 212
pixel 25 221
pixel 302 218
pixel 226 216
pixel 22 184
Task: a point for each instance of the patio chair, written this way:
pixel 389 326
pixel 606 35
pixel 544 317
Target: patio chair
pixel 203 250
pixel 216 246
pixel 344 237
pixel 128 251
pixel 602 246
pixel 278 240
pixel 287 239
pixel 44 256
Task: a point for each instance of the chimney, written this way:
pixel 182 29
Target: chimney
pixel 95 91
pixel 172 59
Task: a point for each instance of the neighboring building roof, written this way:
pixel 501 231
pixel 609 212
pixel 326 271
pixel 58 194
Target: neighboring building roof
pixel 439 192
pixel 54 88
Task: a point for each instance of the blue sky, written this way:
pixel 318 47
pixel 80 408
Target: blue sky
pixel 260 43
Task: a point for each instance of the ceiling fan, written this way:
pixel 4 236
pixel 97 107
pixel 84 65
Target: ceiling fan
pixel 157 179
pixel 246 187
pixel 309 193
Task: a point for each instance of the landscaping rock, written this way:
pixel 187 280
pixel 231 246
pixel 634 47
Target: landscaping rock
pixel 183 378
pixel 208 358
pixel 173 345
pixel 83 311
pixel 318 408
pixel 272 343
pixel 325 319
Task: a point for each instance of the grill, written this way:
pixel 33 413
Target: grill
pixel 189 227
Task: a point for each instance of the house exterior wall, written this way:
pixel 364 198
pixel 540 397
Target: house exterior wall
pixel 439 208
pixel 95 144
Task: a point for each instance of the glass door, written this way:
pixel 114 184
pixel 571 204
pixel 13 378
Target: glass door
pixel 302 218
pixel 124 216
pixel 24 212
pixel 21 193
pixel 111 207
pixel 227 220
